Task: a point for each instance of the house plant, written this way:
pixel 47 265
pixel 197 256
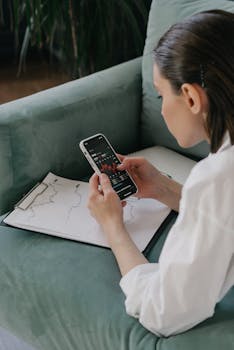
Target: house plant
pixel 84 35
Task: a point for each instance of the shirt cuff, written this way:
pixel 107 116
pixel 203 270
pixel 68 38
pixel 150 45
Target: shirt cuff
pixel 128 281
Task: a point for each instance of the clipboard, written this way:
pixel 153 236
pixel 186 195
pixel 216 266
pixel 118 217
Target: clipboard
pixel 26 200
pixel 30 196
pixel 58 207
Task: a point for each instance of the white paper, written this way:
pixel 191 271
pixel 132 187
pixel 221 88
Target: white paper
pixel 61 210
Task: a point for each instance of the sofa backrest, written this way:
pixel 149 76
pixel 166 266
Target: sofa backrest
pixel 162 15
pixel 41 132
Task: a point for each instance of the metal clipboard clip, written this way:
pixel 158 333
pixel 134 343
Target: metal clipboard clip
pixel 30 197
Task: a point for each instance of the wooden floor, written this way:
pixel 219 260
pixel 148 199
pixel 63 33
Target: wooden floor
pixel 39 75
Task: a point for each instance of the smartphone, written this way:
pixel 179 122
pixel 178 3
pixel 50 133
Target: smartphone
pixel 103 159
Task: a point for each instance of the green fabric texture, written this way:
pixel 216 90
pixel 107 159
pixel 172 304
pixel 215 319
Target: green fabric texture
pixel 41 133
pixel 213 334
pixel 58 294
pixel 163 14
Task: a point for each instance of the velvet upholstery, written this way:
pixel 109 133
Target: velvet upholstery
pixel 63 295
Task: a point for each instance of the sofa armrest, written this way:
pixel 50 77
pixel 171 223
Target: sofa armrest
pixel 41 132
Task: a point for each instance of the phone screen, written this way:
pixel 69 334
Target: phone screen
pixel 106 160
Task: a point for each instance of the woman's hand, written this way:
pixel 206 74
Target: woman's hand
pixel 105 205
pixel 151 183
pixel 147 178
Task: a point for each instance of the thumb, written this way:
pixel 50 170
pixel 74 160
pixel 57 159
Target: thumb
pixel 129 162
pixel 105 182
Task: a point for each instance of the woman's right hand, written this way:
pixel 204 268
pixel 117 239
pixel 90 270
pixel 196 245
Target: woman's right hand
pixel 147 178
pixel 151 183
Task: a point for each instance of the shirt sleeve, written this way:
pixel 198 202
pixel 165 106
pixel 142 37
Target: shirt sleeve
pixel 182 289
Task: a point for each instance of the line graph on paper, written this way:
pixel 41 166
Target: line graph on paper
pixel 57 209
pixel 61 210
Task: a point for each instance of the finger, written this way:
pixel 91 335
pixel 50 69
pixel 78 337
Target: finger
pixel 105 183
pixel 130 162
pixel 94 183
pixel 121 157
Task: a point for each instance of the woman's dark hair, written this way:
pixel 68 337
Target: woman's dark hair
pixel 201 50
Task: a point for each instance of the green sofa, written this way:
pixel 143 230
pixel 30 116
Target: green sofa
pixel 57 294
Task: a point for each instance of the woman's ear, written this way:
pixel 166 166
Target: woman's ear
pixel 192 94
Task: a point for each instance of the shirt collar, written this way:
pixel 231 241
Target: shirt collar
pixel 226 142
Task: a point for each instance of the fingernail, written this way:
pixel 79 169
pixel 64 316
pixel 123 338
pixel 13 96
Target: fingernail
pixel 103 176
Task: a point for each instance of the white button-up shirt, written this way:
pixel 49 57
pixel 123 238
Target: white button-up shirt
pixel 196 265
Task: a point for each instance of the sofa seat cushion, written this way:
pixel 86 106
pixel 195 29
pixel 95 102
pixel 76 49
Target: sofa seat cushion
pixel 163 14
pixel 59 294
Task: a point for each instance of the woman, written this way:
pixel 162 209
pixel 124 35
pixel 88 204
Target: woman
pixel 194 76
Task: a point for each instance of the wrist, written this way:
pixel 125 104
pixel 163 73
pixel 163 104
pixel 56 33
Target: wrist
pixel 168 192
pixel 116 233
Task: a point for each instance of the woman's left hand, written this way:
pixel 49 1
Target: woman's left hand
pixel 105 205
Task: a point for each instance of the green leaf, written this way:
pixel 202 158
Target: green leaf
pixel 85 35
